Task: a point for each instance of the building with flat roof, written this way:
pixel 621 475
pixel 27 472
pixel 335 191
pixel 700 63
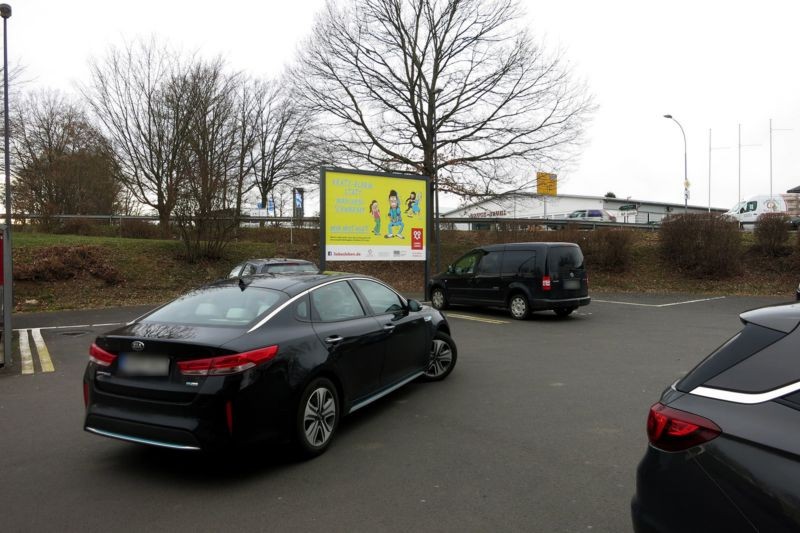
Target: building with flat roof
pixel 533 206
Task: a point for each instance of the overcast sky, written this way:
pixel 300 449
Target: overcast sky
pixel 711 64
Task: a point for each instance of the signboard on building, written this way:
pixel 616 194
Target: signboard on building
pixel 546 184
pixel 372 216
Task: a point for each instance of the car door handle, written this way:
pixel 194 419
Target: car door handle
pixel 388 327
pixel 334 339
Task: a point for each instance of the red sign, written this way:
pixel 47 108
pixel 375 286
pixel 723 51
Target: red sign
pixel 416 238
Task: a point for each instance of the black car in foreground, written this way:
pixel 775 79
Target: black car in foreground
pixel 724 451
pixel 261 357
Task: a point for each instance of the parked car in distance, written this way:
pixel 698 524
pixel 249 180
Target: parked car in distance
pixel 274 265
pixel 592 215
pixel 724 452
pixel 521 277
pixel 266 356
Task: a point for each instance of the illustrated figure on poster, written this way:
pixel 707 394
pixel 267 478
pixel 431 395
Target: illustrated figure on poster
pixel 376 214
pixel 412 204
pixel 395 217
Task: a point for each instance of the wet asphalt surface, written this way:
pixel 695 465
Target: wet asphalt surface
pixel 539 428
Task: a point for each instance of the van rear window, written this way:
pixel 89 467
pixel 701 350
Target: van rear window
pixel 562 258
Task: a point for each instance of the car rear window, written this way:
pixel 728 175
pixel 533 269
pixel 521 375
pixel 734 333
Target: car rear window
pixel 295 267
pixel 564 258
pixel 741 346
pixel 225 305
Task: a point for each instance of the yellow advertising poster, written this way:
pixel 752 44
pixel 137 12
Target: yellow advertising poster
pixel 373 216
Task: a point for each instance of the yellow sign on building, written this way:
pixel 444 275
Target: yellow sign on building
pixel 546 184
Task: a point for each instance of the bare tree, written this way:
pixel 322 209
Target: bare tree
pixel 64 165
pixel 139 93
pixel 453 89
pixel 285 153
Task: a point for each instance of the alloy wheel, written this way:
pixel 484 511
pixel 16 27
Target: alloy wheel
pixel 441 359
pixel 319 419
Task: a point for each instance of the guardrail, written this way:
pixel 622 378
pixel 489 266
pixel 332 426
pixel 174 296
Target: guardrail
pixel 313 222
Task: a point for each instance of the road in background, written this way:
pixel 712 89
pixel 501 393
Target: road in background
pixel 539 428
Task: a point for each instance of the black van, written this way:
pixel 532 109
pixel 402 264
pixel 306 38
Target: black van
pixel 522 277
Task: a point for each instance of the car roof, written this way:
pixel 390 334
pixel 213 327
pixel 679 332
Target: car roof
pixel 277 261
pixel 291 284
pixel 523 246
pixel 784 318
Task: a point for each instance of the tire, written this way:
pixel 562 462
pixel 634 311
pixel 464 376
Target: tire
pixel 518 306
pixel 438 298
pixel 443 357
pixel 563 312
pixel 317 417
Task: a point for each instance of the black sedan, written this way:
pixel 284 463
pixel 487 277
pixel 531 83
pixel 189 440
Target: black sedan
pixel 724 451
pixel 261 357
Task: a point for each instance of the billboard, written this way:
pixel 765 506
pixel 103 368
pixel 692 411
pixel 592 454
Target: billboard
pixel 372 216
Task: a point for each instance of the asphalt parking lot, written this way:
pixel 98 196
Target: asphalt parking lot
pixel 539 428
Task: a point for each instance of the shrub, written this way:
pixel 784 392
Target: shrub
pixel 702 245
pixel 771 234
pixel 609 249
pixel 60 263
pixel 139 229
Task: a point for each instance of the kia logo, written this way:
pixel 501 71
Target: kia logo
pixel 137 346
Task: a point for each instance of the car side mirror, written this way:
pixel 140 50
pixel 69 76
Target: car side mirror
pixel 449 269
pixel 414 306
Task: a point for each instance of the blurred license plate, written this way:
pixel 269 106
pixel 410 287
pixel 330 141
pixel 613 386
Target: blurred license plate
pixel 572 284
pixel 143 365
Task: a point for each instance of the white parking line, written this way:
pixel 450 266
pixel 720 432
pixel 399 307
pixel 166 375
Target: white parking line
pixel 41 349
pixel 25 353
pixel 659 305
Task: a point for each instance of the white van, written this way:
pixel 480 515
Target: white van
pixel 747 212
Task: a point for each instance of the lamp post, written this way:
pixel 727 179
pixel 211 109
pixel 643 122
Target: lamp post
pixel 685 167
pixel 5 12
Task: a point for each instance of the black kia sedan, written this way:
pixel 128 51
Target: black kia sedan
pixel 261 357
pixel 724 452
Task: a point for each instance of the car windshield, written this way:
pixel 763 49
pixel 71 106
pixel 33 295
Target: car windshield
pixel 220 305
pixel 292 267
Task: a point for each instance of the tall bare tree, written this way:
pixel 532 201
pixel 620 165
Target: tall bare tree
pixel 64 165
pixel 454 89
pixel 139 92
pixel 284 153
pixel 205 212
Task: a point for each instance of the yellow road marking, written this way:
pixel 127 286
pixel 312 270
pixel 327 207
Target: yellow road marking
pixel 477 319
pixel 25 352
pixel 41 348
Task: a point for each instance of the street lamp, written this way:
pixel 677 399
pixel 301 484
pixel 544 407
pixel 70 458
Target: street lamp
pixel 685 167
pixel 5 12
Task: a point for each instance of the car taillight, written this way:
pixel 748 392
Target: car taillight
pixel 227 364
pixel 545 283
pixel 672 430
pixel 99 356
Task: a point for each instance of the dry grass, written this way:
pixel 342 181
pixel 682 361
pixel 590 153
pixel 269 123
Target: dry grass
pixel 152 271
